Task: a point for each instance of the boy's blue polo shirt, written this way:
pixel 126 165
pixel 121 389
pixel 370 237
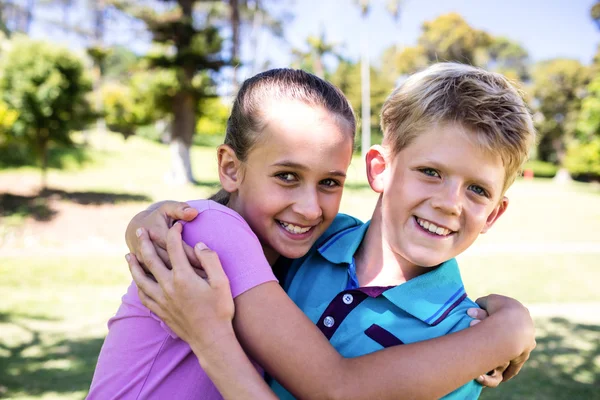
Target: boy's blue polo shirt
pixel 363 320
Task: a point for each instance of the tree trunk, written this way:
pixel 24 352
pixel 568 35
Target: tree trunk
pixel 235 39
pixel 182 131
pixel 365 83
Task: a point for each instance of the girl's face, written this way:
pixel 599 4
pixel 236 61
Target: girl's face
pixel 291 183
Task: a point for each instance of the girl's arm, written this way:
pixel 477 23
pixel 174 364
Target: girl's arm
pixel 292 349
pixel 217 348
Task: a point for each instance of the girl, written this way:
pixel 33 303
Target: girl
pixel 289 143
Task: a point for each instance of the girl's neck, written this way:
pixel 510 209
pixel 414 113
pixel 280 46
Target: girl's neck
pixel 271 255
pixel 376 262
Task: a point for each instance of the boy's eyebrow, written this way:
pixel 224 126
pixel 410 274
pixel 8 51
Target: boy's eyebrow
pixel 291 164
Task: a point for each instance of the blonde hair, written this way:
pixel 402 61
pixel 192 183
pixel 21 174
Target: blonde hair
pixel 484 102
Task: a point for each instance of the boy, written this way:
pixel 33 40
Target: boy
pixel 454 139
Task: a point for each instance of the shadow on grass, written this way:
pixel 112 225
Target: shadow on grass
pixel 34 367
pixel 564 365
pixel 39 207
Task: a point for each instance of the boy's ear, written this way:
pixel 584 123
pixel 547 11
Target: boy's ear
pixel 495 214
pixel 230 171
pixel 376 166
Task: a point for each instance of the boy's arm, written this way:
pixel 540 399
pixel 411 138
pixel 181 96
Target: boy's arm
pixel 291 348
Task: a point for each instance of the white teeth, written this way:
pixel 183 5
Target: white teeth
pixel 294 228
pixel 438 230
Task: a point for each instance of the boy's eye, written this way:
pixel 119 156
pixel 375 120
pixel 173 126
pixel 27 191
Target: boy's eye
pixel 478 190
pixel 330 183
pixel 286 177
pixel 430 172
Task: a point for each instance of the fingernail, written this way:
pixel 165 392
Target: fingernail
pixel 127 257
pixel 479 378
pixel 138 232
pixel 475 322
pixel 201 246
pixel 472 312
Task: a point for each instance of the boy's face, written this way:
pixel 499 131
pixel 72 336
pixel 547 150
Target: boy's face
pixel 438 194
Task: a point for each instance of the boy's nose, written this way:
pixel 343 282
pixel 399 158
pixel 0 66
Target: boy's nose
pixel 448 200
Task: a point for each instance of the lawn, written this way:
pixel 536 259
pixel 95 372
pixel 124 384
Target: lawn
pixel 61 277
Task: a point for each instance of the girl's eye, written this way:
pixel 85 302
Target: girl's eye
pixel 478 190
pixel 330 183
pixel 286 177
pixel 430 172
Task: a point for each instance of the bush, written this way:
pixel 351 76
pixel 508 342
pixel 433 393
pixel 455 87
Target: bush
pixel 541 169
pixel 583 159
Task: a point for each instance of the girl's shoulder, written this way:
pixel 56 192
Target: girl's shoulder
pixel 216 210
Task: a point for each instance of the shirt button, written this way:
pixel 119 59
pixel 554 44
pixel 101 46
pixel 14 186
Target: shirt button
pixel 328 322
pixel 347 298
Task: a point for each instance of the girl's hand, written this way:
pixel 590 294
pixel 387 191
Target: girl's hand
pixel 157 220
pixel 198 310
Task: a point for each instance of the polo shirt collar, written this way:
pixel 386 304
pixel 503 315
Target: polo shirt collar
pixel 340 248
pixel 430 297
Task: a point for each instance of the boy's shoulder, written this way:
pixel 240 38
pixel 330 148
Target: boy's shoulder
pixel 340 223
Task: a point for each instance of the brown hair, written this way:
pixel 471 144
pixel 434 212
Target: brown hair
pixel 247 118
pixel 484 102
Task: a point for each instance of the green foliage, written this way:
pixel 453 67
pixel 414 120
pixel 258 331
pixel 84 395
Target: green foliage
pixel 213 117
pixel 541 169
pixel 588 123
pixel 47 86
pixel 119 63
pixel 450 38
pixel 583 158
pixel 347 78
pixel 559 86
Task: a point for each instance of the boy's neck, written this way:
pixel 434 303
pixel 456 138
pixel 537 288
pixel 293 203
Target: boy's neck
pixel 376 262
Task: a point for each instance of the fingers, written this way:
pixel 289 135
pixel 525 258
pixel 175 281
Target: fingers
pixel 211 265
pixel 176 210
pixel 191 256
pixel 482 302
pixel 179 260
pixel 145 284
pixel 150 258
pixel 493 378
pixel 477 313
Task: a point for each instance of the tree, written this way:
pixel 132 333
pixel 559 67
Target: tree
pixel 47 87
pixel 312 60
pixel 189 48
pixel 393 8
pixel 558 89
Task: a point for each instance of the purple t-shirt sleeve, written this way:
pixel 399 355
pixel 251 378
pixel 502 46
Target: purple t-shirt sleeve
pixel 225 232
pixel 141 357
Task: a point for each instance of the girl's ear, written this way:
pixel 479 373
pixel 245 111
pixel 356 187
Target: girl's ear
pixel 230 168
pixel 376 166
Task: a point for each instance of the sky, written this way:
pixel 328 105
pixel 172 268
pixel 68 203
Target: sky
pixel 545 28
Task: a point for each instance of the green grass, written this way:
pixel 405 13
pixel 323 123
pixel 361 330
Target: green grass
pixel 54 308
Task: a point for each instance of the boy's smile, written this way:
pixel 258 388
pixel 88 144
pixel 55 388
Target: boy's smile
pixel 437 195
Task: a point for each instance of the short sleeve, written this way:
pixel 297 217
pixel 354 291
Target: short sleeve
pixel 239 250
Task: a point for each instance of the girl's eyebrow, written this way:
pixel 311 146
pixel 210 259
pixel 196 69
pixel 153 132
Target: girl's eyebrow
pixel 302 167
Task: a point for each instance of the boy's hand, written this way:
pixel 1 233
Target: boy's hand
pixel 518 315
pixel 157 220
pixel 198 310
pixel 495 377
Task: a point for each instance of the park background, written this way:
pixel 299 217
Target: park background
pixel 109 105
